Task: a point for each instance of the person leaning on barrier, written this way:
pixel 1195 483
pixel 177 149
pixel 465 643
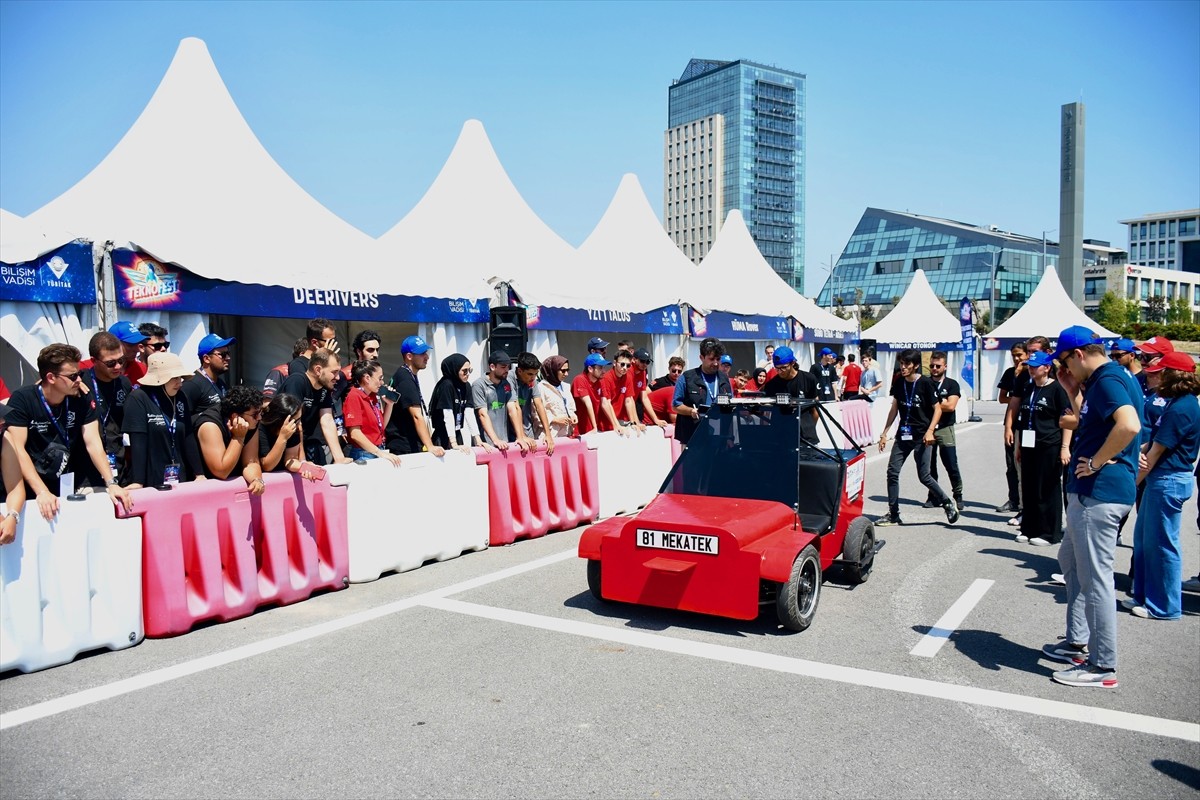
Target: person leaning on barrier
pixel 207 387
pixel 12 486
pixel 131 350
pixel 617 409
pixel 159 424
pixel 699 388
pixel 280 437
pixel 454 421
pixel 407 429
pixel 314 389
pixel 526 404
pixel 52 428
pixel 227 438
pixel 556 394
pixel 647 415
pixel 585 387
pixel 490 395
pixel 106 378
pixel 279 372
pixel 365 418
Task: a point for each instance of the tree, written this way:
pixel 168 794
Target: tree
pixel 1112 312
pixel 1156 309
pixel 1180 310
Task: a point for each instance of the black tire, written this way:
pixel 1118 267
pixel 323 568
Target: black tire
pixel 797 602
pixel 593 573
pixel 858 551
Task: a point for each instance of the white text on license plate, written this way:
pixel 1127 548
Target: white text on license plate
pixel 672 540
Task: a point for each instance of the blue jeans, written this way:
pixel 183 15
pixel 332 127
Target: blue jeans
pixel 357 453
pixel 1086 558
pixel 1157 566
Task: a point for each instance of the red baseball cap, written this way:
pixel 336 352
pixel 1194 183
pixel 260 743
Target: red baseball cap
pixel 1172 360
pixel 1156 345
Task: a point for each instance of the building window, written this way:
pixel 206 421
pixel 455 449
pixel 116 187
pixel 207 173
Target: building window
pixel 1154 249
pixel 888 267
pixel 1171 290
pixel 1092 287
pixel 1130 287
pixel 1170 249
pixel 1196 295
pixel 1162 229
pixel 1187 227
pixel 1142 231
pixel 927 264
pixel 1171 230
pixel 1158 288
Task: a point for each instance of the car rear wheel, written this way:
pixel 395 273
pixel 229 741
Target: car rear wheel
pixel 593 573
pixel 858 551
pixel 796 604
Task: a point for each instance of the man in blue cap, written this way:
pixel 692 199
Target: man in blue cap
pixel 131 345
pixel 826 374
pixel 1100 490
pixel 207 387
pixel 789 379
pixel 408 428
pixel 1125 353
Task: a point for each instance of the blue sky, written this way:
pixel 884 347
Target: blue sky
pixel 947 109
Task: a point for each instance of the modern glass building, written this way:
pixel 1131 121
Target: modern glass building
pixel 1166 241
pixel 758 165
pixel 960 260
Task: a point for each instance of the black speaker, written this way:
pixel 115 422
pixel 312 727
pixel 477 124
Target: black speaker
pixel 867 347
pixel 508 331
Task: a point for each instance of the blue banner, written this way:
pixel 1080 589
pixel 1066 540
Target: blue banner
pixel 143 283
pixel 804 333
pixel 65 275
pixel 917 345
pixel 966 315
pixel 549 318
pixel 736 327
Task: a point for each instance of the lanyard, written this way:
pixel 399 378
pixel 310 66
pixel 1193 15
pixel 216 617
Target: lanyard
pixel 101 403
pixel 1033 398
pixel 220 388
pixel 910 394
pixel 53 419
pixel 712 388
pixel 424 411
pixel 373 402
pixel 171 427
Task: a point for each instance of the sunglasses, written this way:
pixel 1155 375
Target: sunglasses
pixel 224 354
pixel 74 377
pixel 114 363
pixel 158 347
pixel 565 369
pixel 467 370
pixel 676 370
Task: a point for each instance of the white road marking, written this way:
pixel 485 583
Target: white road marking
pixel 1054 709
pixel 939 634
pixel 174 672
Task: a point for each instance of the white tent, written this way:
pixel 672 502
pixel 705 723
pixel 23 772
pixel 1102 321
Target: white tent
pixel 629 239
pixel 734 277
pixel 1048 311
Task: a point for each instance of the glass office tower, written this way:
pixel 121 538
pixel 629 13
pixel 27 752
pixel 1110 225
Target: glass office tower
pixel 759 163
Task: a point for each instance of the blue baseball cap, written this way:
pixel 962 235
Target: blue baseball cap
pixel 727 359
pixel 415 345
pixel 1123 345
pixel 825 351
pixel 783 355
pixel 596 360
pixel 1039 359
pixel 212 342
pixel 127 332
pixel 1073 338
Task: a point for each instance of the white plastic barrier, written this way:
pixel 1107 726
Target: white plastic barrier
pixel 69 586
pixel 631 468
pixel 857 418
pixel 427 509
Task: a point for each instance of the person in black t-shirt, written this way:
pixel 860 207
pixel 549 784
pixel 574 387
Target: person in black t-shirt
pixel 675 367
pixel 825 373
pixel 159 424
pixel 52 428
pixel 205 390
pixel 1043 449
pixel 314 390
pixel 279 438
pixel 790 380
pixel 106 378
pixel 948 394
pixel 914 401
pixel 226 438
pixel 1020 385
pixel 320 335
pixel 1006 386
pixel 408 430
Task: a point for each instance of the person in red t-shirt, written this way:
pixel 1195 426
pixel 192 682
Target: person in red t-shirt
pixel 585 388
pixel 615 390
pixel 640 388
pixel 662 401
pixel 851 378
pixel 364 417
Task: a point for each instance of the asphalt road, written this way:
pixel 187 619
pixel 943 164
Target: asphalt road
pixel 498 675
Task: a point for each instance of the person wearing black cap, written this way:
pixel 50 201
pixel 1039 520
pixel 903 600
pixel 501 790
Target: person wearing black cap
pixel 641 388
pixel 597 345
pixel 826 374
pixel 699 388
pixel 490 396
pixel 207 387
pixel 914 401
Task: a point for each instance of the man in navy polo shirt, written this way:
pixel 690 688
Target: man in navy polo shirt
pixel 1100 490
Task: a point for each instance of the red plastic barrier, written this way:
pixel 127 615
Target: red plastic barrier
pixel 213 551
pixel 531 494
pixel 676 445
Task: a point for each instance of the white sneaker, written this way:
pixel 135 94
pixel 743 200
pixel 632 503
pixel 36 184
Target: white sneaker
pixel 1038 541
pixel 1022 538
pixel 1058 579
pixel 1015 522
pixel 1129 604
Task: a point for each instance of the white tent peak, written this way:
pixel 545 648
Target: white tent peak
pixel 472 221
pixel 1049 303
pixel 919 317
pixel 190 183
pixel 21 241
pixel 629 236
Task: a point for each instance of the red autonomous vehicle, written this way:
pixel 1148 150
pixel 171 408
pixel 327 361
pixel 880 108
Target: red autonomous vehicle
pixel 753 513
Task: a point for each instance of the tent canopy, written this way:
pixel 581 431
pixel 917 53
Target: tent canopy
pixel 21 241
pixel 1047 311
pixel 190 184
pixel 919 317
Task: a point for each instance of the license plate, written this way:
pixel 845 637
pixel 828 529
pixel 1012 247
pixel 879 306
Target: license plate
pixel 672 540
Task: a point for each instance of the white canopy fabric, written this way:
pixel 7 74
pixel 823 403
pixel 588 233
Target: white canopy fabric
pixel 1047 312
pixel 630 239
pixel 473 225
pixel 190 184
pixel 919 317
pixel 21 241
pixel 735 277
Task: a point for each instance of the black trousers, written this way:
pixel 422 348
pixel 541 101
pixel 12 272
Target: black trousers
pixel 949 455
pixel 1010 473
pixel 900 451
pixel 1041 487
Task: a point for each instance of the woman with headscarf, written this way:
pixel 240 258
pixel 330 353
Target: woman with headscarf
pixel 450 407
pixel 556 394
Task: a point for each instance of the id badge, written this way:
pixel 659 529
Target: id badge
pixel 905 433
pixel 1028 438
pixel 112 464
pixel 66 484
pixel 171 474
